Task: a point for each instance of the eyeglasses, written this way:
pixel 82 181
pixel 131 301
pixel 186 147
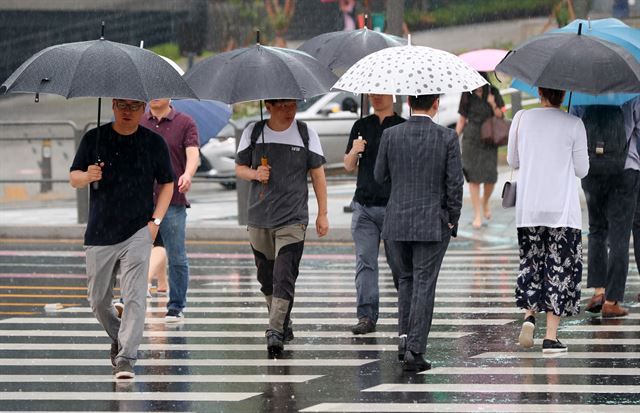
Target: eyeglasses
pixel 132 107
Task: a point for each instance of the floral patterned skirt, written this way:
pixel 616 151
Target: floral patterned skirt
pixel 550 270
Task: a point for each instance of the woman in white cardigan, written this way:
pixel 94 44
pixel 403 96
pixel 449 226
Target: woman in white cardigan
pixel 549 148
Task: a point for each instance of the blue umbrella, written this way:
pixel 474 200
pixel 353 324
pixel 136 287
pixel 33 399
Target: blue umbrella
pixel 612 30
pixel 210 116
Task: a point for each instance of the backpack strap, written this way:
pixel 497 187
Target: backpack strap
pixel 304 133
pixel 258 127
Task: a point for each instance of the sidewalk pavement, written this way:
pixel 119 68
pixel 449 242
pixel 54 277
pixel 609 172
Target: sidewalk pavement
pixel 213 216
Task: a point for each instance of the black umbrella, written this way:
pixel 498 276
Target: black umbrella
pixel 571 61
pixel 98 68
pixel 341 50
pixel 259 72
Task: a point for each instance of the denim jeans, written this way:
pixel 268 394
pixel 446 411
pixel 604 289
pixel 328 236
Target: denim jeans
pixel 173 230
pixel 611 204
pixel 366 225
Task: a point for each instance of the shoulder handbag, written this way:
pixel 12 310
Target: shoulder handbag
pixel 495 131
pixel 509 188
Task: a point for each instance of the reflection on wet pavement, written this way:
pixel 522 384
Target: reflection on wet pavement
pixel 55 357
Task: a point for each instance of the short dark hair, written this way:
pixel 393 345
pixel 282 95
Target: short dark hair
pixel 274 101
pixel 554 96
pixel 422 102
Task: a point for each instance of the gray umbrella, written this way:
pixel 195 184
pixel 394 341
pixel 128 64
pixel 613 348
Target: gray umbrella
pixel 571 61
pixel 259 72
pixel 341 50
pixel 98 68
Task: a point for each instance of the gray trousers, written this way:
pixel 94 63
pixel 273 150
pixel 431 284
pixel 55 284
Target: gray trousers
pixel 417 265
pixel 130 258
pixel 366 225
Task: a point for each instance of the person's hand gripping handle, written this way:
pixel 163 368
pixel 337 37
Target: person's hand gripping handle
pixel 263 174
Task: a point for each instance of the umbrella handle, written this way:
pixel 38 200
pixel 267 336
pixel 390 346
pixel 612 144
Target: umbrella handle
pixel 95 184
pixel 263 162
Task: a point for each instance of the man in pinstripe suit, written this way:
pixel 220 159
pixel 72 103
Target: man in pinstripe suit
pixel 422 161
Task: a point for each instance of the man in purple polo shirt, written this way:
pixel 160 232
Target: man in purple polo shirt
pixel 181 135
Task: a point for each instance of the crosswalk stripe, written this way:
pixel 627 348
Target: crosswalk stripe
pixel 444 289
pixel 467 408
pixel 503 388
pixel 580 371
pixel 221 334
pixel 320 310
pixel 334 299
pixel 255 321
pixel 568 355
pixel 297 362
pixel 160 378
pixel 603 327
pixel 197 347
pixel 130 396
pixel 598 341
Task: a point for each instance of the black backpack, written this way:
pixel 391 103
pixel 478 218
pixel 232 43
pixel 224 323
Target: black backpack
pixel 606 139
pixel 259 126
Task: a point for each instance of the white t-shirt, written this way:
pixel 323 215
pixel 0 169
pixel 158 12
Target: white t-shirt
pixel 551 155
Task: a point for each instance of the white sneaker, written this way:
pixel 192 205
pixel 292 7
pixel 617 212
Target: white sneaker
pixel 526 333
pixel 173 316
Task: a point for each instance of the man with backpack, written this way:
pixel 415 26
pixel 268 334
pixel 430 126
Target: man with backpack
pixel 611 190
pixel 276 155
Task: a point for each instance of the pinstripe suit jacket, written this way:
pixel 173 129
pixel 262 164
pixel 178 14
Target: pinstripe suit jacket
pixel 422 161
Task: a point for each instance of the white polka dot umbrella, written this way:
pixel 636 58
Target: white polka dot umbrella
pixel 410 70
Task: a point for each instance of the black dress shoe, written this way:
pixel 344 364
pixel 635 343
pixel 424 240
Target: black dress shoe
pixel 415 362
pixel 402 347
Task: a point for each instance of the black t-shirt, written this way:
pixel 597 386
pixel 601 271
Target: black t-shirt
pixel 123 203
pixel 368 191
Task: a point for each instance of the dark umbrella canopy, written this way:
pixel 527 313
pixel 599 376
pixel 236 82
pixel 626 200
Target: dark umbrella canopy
pixel 259 72
pixel 341 50
pixel 98 68
pixel 571 61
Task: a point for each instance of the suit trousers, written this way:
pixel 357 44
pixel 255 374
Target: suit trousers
pixel 636 233
pixel 611 203
pixel 417 264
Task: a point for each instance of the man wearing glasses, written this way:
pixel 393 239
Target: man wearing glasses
pixel 126 161
pixel 278 213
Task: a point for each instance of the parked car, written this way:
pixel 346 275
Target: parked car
pixel 217 158
pixel 331 116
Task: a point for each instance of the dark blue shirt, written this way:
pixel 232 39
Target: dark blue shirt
pixel 123 203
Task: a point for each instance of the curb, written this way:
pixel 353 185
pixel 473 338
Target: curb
pixel 194 233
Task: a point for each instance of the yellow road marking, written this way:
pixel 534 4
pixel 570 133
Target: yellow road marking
pixel 40 287
pixel 42 296
pixel 34 305
pixel 17 312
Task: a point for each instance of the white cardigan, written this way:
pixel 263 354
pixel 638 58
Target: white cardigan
pixel 551 152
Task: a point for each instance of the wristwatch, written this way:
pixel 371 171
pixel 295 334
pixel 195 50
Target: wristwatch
pixel 156 221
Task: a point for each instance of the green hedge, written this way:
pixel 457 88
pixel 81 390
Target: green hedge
pixel 470 11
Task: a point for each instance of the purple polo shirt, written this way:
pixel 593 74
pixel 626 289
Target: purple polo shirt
pixel 180 132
